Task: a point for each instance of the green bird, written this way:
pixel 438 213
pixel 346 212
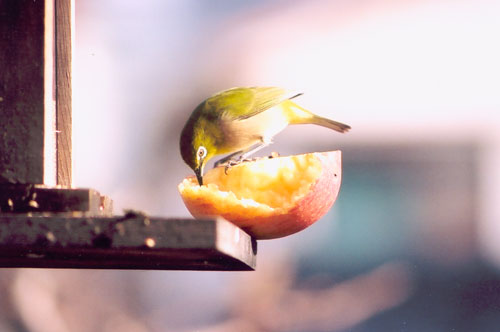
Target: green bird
pixel 241 121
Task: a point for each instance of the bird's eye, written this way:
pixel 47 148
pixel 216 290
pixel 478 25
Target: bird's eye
pixel 202 152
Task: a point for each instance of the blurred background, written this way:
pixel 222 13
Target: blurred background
pixel 412 243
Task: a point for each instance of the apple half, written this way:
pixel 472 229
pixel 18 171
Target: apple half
pixel 270 197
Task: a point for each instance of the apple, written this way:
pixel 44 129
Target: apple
pixel 269 197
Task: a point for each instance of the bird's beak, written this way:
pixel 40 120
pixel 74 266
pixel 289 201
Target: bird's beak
pixel 199 175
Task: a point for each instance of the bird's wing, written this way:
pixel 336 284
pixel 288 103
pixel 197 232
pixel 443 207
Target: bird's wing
pixel 243 103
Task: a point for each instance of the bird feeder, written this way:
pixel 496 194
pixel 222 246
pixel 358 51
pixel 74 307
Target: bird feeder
pixel 44 221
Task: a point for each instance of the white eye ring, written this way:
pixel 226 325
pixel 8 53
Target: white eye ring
pixel 202 152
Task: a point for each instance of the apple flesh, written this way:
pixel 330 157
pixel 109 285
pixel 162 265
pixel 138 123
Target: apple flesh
pixel 270 197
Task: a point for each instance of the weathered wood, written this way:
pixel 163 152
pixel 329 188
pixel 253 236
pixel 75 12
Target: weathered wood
pixel 133 242
pixel 64 29
pixel 19 198
pixel 22 91
pixel 59 227
pixel 36 41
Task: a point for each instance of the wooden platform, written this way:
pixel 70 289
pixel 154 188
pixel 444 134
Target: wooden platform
pixel 128 242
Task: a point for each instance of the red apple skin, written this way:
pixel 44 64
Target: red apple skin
pixel 304 213
pixel 308 209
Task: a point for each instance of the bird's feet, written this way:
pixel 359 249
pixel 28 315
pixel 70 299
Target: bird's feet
pixel 233 162
pixel 273 154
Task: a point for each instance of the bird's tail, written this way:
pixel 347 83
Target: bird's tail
pixel 299 115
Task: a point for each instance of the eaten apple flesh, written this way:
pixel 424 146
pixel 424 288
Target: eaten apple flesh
pixel 268 198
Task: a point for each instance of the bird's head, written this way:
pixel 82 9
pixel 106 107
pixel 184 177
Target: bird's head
pixel 197 146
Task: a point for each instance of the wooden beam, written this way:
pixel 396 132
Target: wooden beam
pixel 22 91
pixel 128 242
pixel 64 31
pixel 35 91
pixel 22 198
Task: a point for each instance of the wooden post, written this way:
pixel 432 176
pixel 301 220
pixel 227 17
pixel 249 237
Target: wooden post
pixel 64 31
pixel 35 43
pixel 23 92
pixel 35 110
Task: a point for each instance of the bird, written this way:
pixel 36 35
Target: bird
pixel 239 122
